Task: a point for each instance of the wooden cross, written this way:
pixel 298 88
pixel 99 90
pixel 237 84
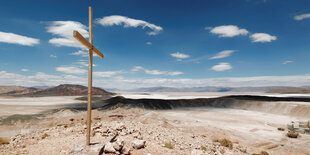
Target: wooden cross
pixel 91 48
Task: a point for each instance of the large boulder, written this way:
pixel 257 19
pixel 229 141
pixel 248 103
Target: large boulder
pixel 138 144
pixel 108 148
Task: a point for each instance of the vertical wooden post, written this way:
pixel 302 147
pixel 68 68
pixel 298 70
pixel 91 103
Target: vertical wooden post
pixel 90 77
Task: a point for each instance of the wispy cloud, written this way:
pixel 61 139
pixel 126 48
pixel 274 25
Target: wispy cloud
pixel 302 16
pixel 81 53
pixel 128 22
pixel 287 62
pixel 227 31
pixel 12 38
pixel 223 66
pixel 155 72
pixel 107 73
pixel 64 31
pixel 223 54
pixel 262 37
pixel 83 63
pixel 149 43
pixel 53 56
pixel 25 70
pixel 180 55
pixel 71 70
pixel 7 78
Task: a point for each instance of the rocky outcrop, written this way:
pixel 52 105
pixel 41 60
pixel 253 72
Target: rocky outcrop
pixel 68 90
pixel 255 103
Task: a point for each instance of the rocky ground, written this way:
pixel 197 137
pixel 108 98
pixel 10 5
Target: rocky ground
pixel 132 131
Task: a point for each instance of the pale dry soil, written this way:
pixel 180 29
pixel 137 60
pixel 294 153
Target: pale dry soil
pixel 188 130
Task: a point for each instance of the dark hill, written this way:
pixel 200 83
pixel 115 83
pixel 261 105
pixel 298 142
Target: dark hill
pixel 21 92
pixel 220 102
pixel 68 90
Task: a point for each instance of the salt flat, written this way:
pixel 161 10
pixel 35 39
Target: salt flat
pixel 193 95
pixel 33 105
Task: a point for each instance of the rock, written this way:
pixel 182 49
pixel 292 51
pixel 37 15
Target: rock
pixel 71 119
pixel 95 148
pixel 118 145
pixel 75 149
pixel 126 150
pixel 108 148
pixel 138 144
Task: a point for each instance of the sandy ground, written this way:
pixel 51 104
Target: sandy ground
pixel 186 129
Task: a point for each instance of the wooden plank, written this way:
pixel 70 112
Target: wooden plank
pixel 83 41
pixel 90 77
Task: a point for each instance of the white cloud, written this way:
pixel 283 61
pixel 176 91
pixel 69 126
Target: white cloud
pixel 223 54
pixel 53 56
pixel 155 72
pixel 71 70
pixel 222 67
pixel 25 70
pixel 149 43
pixel 227 31
pixel 180 55
pixel 137 68
pixel 7 78
pixel 64 29
pixel 12 38
pixel 83 63
pixel 287 62
pixel 38 79
pixel 81 53
pixel 302 16
pixel 107 73
pixel 262 37
pixel 128 22
pixel 258 81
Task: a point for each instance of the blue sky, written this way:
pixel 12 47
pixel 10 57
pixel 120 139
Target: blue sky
pixel 157 43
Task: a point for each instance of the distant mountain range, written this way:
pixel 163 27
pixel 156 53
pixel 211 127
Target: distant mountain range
pixel 61 90
pixel 290 91
pixel 206 89
pixel 271 89
pixel 5 89
pixel 79 90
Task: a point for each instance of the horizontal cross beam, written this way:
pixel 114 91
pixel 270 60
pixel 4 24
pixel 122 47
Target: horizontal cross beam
pixel 83 41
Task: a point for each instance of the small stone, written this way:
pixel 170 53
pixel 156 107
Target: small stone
pixel 126 150
pixel 95 148
pixel 109 148
pixel 75 149
pixel 138 144
pixel 118 145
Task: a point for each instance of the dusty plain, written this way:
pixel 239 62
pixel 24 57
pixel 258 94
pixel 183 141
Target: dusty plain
pixel 59 129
